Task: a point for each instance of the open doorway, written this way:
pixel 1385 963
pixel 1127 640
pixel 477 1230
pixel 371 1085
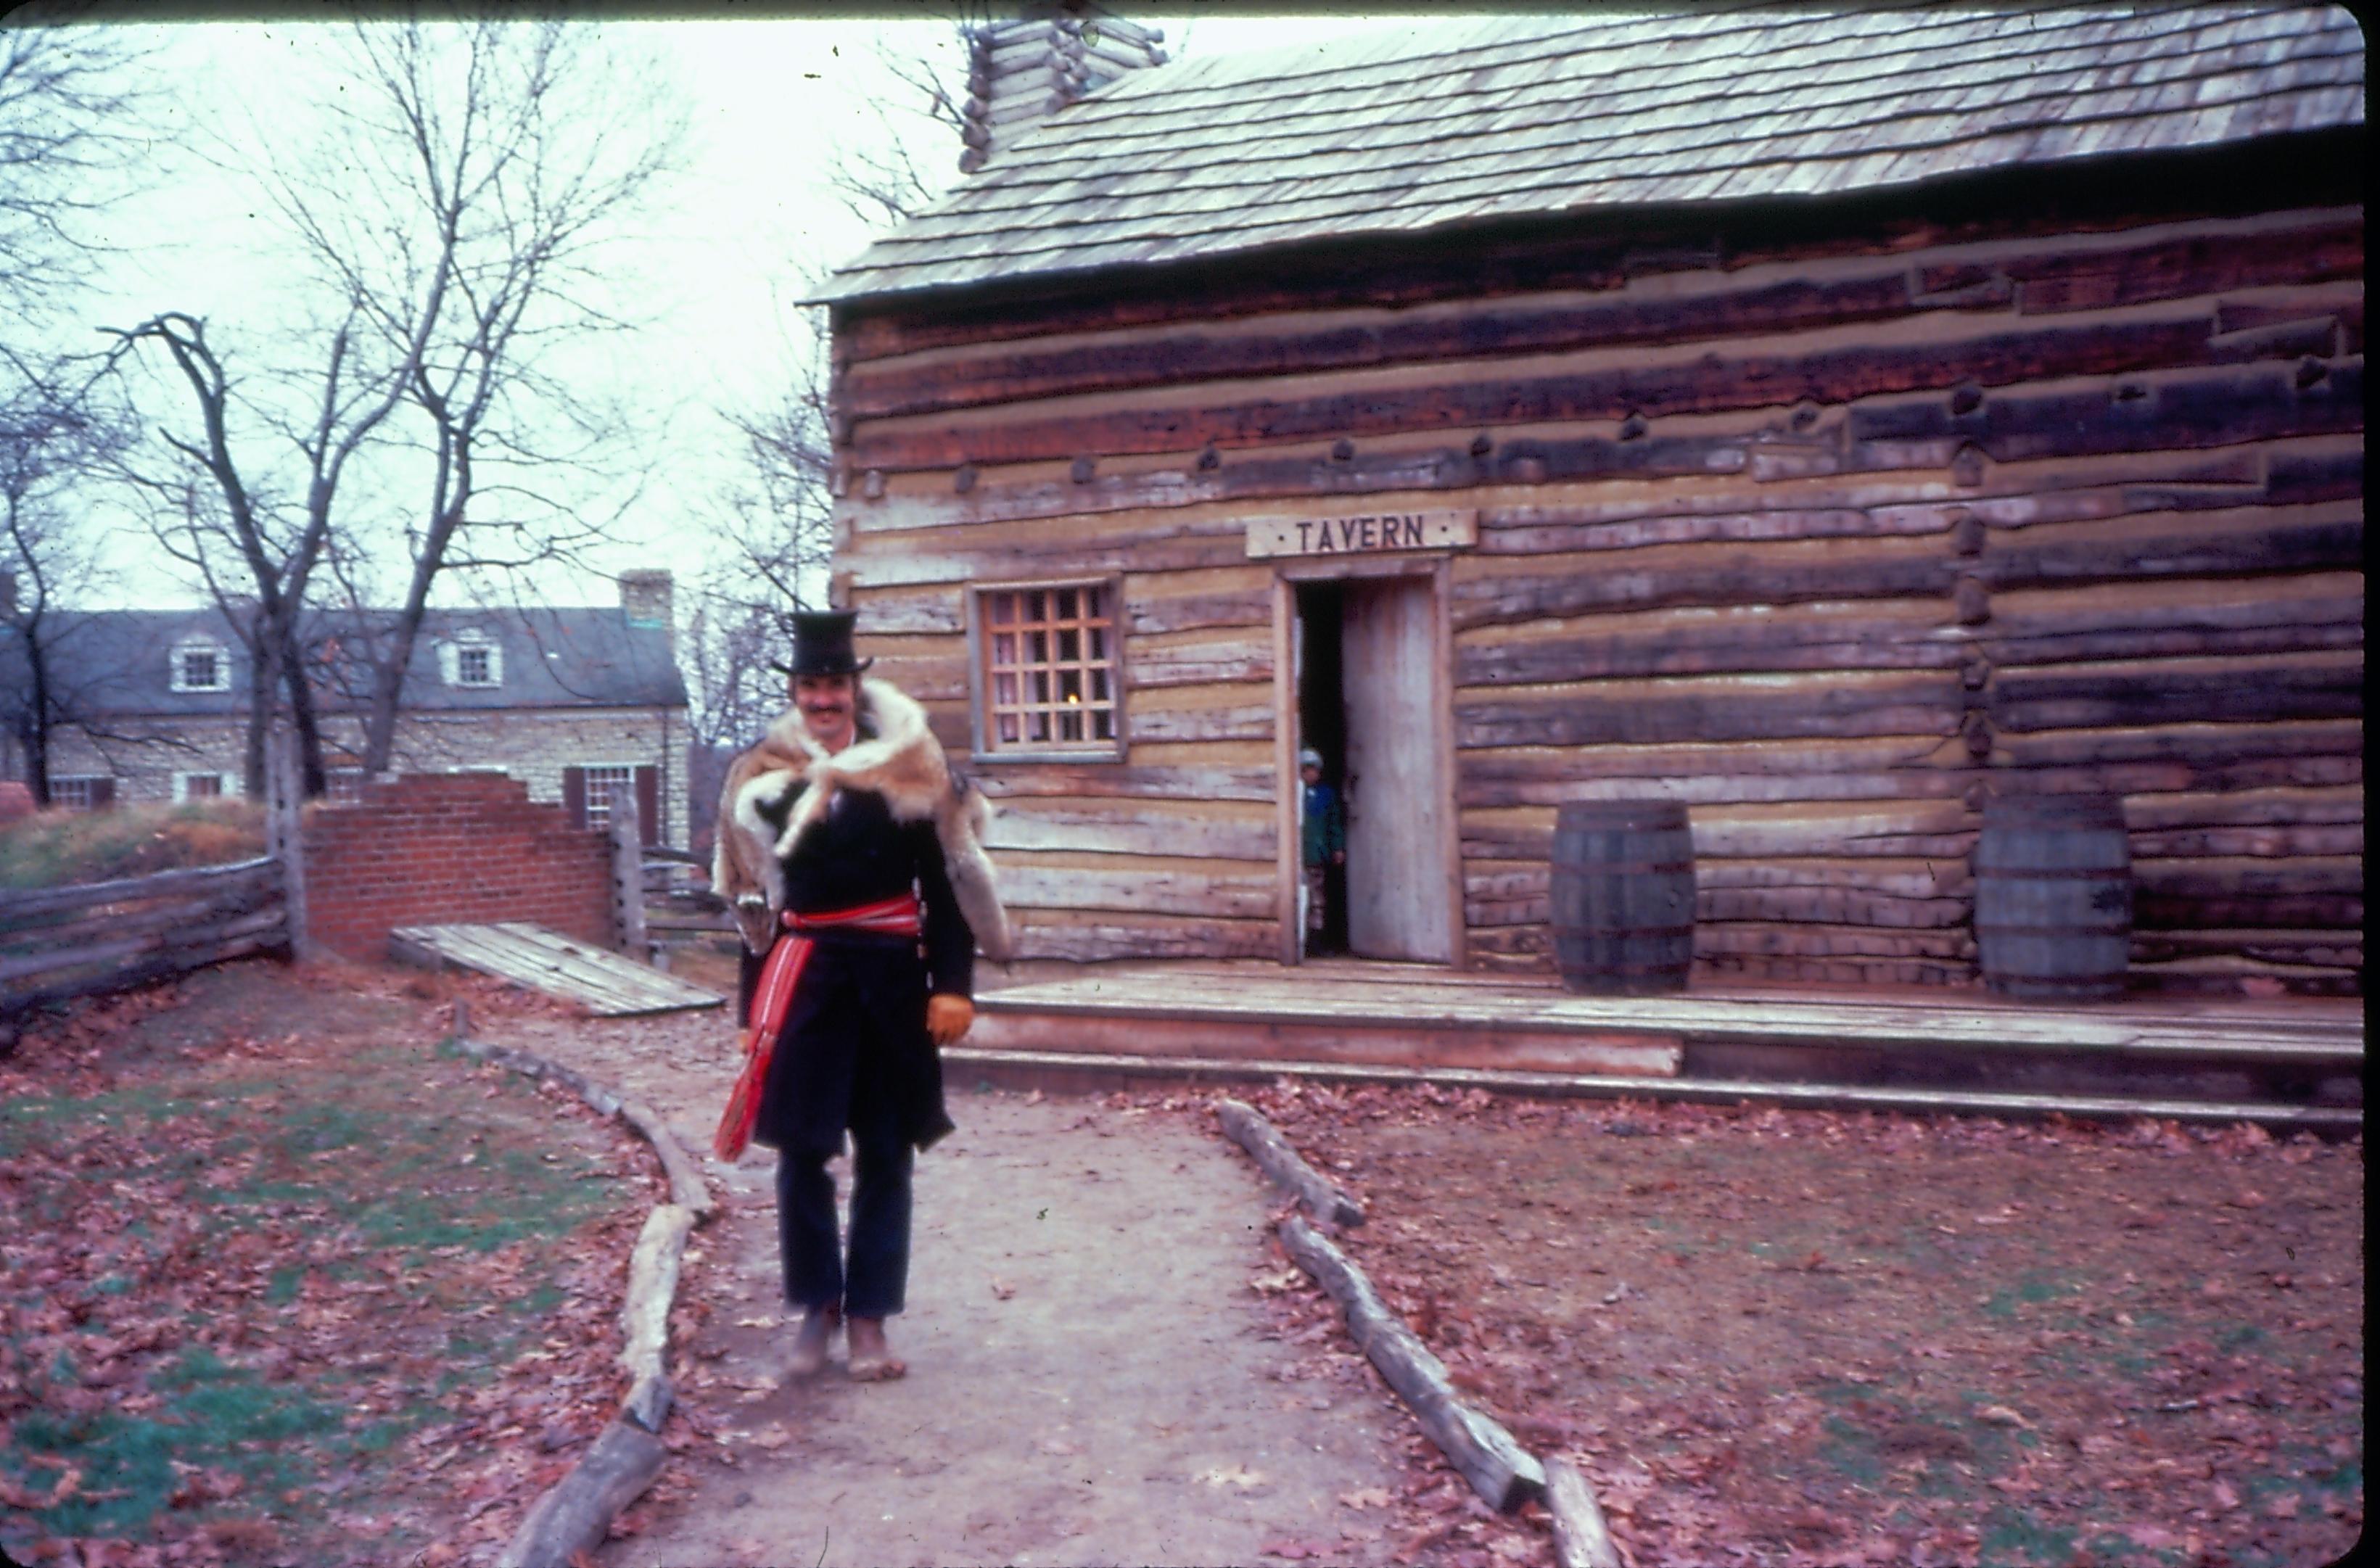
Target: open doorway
pixel 1370 706
pixel 1322 733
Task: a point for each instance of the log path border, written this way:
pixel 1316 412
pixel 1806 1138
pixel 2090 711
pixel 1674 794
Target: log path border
pixel 1504 1474
pixel 574 1515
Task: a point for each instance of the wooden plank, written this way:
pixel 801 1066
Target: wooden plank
pixel 1718 707
pixel 1546 531
pixel 492 951
pixel 546 961
pixel 1252 1036
pixel 1443 1008
pixel 1158 663
pixel 1550 586
pixel 1097 1068
pixel 1026 781
pixel 2222 544
pixel 2216 407
pixel 16 903
pixel 1224 894
pixel 2194 746
pixel 1397 902
pixel 1594 384
pixel 1692 642
pixel 1090 941
pixel 1758 301
pixel 2149 692
pixel 1181 827
pixel 648 989
pixel 2299 234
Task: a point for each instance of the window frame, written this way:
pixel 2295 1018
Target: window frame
pixel 472 640
pixel 177 676
pixel 226 786
pixel 984 747
pixel 587 810
pixel 84 784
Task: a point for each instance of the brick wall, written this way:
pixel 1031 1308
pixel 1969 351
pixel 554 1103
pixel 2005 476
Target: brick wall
pixel 436 849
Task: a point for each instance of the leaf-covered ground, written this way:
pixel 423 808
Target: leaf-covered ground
pixel 1798 1337
pixel 289 1284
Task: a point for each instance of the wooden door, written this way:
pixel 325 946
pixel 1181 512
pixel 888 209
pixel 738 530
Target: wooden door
pixel 1397 890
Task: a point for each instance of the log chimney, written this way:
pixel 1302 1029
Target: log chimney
pixel 1024 69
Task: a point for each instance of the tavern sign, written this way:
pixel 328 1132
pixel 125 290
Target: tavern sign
pixel 1365 534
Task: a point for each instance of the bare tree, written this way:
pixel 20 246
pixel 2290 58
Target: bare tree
pixel 453 215
pixel 523 149
pixel 73 143
pixel 892 175
pixel 54 436
pixel 777 524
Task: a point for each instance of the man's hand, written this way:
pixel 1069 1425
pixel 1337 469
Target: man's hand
pixel 948 1018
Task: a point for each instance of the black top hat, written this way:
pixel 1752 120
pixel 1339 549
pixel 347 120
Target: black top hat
pixel 822 644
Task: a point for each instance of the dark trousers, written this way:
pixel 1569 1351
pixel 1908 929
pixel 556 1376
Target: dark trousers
pixel 874 1282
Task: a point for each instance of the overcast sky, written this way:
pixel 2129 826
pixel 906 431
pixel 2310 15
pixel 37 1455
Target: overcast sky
pixel 767 100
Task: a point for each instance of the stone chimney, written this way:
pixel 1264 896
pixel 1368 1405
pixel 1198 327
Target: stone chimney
pixel 1036 64
pixel 648 597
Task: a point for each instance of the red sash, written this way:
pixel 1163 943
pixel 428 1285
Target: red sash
pixel 774 995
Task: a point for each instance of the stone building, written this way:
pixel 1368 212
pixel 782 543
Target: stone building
pixel 579 703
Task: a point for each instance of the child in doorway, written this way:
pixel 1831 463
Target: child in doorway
pixel 1325 837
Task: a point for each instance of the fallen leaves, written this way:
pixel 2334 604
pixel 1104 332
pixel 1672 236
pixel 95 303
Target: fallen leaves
pixel 254 1256
pixel 1797 1317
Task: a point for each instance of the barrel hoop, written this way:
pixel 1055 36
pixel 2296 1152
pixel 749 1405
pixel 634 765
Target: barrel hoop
pixel 1623 867
pixel 1594 932
pixel 2054 873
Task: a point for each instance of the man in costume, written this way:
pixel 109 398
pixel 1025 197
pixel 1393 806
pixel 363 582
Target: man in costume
pixel 853 860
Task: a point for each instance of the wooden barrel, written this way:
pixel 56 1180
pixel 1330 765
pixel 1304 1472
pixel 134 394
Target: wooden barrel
pixel 2054 896
pixel 1623 896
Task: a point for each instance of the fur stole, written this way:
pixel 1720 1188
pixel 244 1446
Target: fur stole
pixel 901 761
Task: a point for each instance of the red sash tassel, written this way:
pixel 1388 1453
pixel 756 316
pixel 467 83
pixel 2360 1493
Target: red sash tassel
pixel 774 995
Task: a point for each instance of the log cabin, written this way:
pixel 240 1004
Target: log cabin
pixel 1830 419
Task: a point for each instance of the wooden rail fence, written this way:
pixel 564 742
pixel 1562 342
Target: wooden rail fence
pixel 67 942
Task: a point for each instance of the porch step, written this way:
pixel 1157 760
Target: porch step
pixel 1913 1046
pixel 1095 1072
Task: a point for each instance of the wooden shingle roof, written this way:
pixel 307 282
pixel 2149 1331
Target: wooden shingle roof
pixel 1450 123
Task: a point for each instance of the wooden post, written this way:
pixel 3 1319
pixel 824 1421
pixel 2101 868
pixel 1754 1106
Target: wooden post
pixel 285 834
pixel 628 875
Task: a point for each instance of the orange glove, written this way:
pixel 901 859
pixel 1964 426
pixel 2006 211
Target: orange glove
pixel 948 1018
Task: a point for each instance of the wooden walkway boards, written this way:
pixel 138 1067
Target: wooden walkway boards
pixel 2300 1059
pixel 606 983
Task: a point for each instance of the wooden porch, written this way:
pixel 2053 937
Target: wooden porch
pixel 2286 1062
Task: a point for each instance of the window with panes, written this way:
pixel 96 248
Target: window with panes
pixel 1049 677
pixel 600 784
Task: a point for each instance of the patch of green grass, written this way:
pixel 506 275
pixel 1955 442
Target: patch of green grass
pixel 343 1152
pixel 216 1416
pixel 2031 1289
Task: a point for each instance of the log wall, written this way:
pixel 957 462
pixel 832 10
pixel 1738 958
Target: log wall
pixel 1831 538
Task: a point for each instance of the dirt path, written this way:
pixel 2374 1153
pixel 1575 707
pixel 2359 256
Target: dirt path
pixel 1091 1378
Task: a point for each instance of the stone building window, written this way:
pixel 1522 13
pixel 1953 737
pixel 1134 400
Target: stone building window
pixel 1047 679
pixel 200 665
pixel 590 792
pixel 202 786
pixel 473 658
pixel 82 792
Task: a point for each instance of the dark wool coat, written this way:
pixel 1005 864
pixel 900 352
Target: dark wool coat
pixel 855 1034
